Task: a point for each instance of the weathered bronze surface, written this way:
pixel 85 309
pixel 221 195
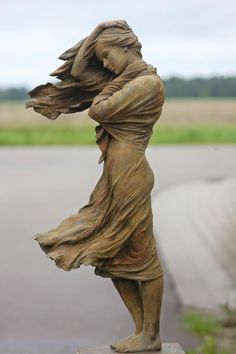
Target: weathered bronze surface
pixel 114 231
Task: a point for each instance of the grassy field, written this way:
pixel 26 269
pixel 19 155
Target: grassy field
pixel 164 134
pixel 190 121
pixel 217 332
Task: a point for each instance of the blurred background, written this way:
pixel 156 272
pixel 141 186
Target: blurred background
pixel 48 169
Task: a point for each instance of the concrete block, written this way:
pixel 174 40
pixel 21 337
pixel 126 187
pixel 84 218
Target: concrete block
pixel 167 348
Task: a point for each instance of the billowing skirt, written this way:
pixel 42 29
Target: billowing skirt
pixel 114 231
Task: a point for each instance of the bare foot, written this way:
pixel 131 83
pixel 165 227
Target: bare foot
pixel 122 341
pixel 139 343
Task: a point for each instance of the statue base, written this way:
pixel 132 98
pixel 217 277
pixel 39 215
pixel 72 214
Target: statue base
pixel 167 348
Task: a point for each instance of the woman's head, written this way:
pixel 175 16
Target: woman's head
pixel 113 58
pixel 116 48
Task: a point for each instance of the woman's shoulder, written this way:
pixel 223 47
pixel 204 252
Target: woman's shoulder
pixel 148 82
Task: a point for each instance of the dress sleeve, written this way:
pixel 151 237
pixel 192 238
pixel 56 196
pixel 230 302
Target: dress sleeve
pixel 132 96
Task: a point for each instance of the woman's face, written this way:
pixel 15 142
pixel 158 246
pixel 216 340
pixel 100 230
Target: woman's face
pixel 113 58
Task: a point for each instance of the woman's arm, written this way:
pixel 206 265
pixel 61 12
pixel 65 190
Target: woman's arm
pixel 84 56
pixel 86 51
pixel 133 96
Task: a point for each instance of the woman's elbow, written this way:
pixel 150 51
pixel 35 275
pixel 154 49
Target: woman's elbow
pixel 93 113
pixel 78 72
pixel 97 112
pixel 75 74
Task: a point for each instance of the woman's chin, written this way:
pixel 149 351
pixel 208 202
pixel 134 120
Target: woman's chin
pixel 117 72
pixel 114 71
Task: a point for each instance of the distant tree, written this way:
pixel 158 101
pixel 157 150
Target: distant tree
pixel 199 87
pixel 13 94
pixel 175 87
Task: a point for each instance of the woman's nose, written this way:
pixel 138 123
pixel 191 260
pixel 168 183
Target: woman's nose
pixel 105 64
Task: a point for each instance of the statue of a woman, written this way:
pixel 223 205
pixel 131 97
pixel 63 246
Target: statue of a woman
pixel 114 231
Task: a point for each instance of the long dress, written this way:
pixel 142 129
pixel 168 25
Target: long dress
pixel 114 231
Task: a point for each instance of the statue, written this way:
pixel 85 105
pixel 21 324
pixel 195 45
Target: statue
pixel 114 231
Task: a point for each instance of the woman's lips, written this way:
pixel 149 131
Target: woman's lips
pixel 111 69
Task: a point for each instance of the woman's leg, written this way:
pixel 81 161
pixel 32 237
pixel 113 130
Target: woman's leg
pixel 152 291
pixel 130 292
pixel 149 337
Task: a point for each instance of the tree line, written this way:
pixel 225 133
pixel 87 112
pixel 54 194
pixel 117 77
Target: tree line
pixel 175 88
pixel 199 87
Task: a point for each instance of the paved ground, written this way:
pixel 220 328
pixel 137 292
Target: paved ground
pixel 202 238
pixel 195 208
pixel 43 307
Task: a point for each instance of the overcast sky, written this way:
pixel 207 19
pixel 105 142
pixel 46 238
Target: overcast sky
pixel 180 37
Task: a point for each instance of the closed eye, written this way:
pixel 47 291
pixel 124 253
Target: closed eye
pixel 105 55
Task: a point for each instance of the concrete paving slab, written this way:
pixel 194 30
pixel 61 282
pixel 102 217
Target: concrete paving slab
pixel 37 347
pixel 167 348
pixel 196 228
pixel 177 164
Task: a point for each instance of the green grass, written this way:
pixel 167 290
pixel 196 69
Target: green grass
pixel 195 134
pixel 209 329
pixel 209 346
pixel 47 136
pixel 200 324
pixel 163 134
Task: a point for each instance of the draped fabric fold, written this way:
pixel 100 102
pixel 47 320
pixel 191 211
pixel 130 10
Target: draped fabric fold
pixel 139 68
pixel 113 232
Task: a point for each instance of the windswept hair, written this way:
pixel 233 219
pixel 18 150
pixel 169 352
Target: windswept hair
pixel 70 95
pixel 121 38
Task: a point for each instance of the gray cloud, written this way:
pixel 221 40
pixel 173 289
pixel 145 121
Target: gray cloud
pixel 181 37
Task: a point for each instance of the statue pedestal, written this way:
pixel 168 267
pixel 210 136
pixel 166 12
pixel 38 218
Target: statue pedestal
pixel 167 348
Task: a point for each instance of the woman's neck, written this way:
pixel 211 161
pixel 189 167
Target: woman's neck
pixel 133 58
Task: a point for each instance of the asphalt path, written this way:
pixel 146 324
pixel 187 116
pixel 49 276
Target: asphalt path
pixel 42 308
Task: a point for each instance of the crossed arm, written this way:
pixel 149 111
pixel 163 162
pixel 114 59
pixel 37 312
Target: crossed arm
pixel 133 96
